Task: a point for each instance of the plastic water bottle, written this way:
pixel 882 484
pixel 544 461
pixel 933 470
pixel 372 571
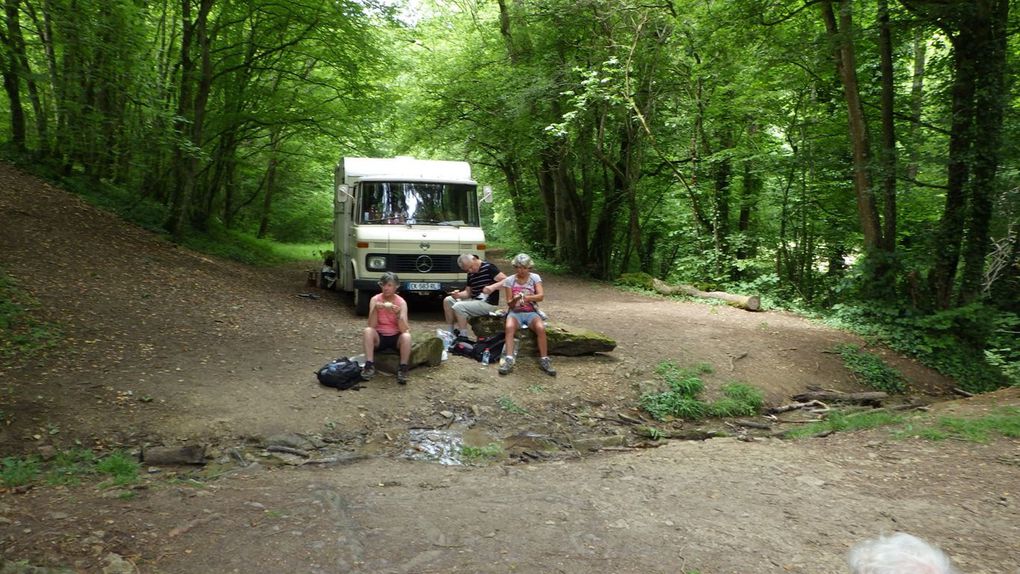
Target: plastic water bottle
pixel 486 357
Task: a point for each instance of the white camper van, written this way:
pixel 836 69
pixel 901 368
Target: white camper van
pixel 410 216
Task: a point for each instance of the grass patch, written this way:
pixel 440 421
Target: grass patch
pixel 18 471
pixel 1004 422
pixel 490 451
pixel 21 334
pixel 121 467
pixel 685 386
pixel 740 400
pixel 838 421
pixel 69 467
pixel 871 370
pixel 508 405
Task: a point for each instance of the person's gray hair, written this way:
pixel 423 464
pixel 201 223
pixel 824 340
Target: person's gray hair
pixel 899 553
pixel 465 258
pixel 388 278
pixel 522 260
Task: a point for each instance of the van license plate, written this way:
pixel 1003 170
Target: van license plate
pixel 422 287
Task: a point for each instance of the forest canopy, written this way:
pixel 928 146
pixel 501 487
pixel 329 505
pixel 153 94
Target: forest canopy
pixel 820 151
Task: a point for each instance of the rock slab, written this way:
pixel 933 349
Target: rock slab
pixel 563 339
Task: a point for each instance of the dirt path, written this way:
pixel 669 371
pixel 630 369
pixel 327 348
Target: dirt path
pixel 168 347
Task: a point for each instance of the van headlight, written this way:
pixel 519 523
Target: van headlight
pixel 376 262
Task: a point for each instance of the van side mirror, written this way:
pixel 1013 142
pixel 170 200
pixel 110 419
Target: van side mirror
pixel 343 193
pixel 487 194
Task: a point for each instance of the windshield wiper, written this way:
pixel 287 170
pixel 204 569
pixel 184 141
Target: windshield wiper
pixel 434 222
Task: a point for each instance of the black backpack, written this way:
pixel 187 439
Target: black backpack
pixel 493 343
pixel 341 373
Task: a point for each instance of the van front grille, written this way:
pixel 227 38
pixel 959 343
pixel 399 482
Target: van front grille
pixel 423 263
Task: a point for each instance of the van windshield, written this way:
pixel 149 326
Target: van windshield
pixel 409 203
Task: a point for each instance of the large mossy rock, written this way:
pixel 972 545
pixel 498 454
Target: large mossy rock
pixel 426 349
pixel 564 340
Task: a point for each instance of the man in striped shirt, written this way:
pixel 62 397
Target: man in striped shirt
pixel 478 298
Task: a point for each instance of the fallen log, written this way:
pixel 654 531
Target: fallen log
pixel 873 398
pixel 747 302
pixel 752 424
pixel 799 405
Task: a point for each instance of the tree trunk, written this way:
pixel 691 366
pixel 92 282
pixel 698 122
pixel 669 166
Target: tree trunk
pixel 888 150
pixel 44 29
pixel 23 69
pixel 191 106
pixel 12 81
pixel 949 236
pixel 841 36
pixel 916 103
pixel 990 25
pixel 267 200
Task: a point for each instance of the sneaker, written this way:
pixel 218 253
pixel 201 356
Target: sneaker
pixel 546 365
pixel 506 365
pixel 402 375
pixel 368 371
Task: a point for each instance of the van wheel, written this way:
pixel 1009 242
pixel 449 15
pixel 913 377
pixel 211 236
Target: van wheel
pixel 361 299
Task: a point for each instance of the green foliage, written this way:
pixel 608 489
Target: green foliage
pixel 487 452
pixel 250 250
pixel 685 386
pixel 638 280
pixel 21 333
pixel 121 467
pixel 18 471
pixel 1003 350
pixel 944 341
pixel 129 205
pixel 872 370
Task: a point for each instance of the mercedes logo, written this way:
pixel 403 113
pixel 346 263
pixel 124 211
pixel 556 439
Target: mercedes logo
pixel 423 264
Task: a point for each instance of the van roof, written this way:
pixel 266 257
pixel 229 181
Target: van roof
pixel 407 169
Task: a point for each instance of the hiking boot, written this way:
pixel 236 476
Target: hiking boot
pixel 402 375
pixel 506 365
pixel 368 371
pixel 545 363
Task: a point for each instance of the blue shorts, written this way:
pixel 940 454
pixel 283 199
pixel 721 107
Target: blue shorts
pixel 524 318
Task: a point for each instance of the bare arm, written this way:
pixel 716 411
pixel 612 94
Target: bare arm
pixel 495 286
pixel 373 313
pixel 539 294
pixel 402 319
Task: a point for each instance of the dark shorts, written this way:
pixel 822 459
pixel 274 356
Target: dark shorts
pixel 388 342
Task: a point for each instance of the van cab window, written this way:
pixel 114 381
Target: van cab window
pixel 418 203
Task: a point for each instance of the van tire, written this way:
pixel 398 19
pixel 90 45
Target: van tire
pixel 361 299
